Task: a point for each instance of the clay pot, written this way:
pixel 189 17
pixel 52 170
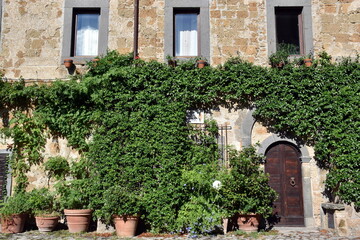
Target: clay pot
pixel 125 225
pixel 78 220
pixel 172 63
pixel 201 63
pixel 46 224
pixel 14 223
pixel 95 62
pixel 308 62
pixel 68 63
pixel 249 222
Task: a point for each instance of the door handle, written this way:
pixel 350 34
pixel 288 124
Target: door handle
pixel 292 181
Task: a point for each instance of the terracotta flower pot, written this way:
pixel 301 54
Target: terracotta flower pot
pixel 249 222
pixel 78 220
pixel 201 63
pixel 125 225
pixel 68 63
pixel 46 224
pixel 308 62
pixel 95 62
pixel 14 223
pixel 172 63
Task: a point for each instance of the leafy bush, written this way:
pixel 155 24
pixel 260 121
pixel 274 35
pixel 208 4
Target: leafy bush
pixel 76 191
pixel 120 201
pixel 244 187
pixel 57 167
pixel 15 204
pixel 128 119
pixel 42 202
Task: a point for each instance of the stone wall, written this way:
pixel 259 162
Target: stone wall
pixel 336 26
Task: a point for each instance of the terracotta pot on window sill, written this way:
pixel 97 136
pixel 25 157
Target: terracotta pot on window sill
pixel 201 63
pixel 308 62
pixel 68 63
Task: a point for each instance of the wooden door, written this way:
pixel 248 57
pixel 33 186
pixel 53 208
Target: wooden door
pixel 3 172
pixel 284 166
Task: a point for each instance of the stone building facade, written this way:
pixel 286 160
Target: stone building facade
pixel 37 35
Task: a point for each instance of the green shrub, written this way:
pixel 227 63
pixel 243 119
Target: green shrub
pixel 15 204
pixel 42 202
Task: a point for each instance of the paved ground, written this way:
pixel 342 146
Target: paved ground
pixel 278 234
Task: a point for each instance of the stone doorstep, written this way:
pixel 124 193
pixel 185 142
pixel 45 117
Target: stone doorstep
pixel 296 229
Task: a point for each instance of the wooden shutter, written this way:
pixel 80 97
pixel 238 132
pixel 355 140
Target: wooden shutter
pixel 3 173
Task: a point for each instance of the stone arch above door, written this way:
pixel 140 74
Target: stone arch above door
pixel 246 131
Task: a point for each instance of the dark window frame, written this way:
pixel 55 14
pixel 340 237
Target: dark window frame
pixel 306 23
pixel 296 12
pixel 187 11
pixel 204 28
pixel 77 11
pixel 69 7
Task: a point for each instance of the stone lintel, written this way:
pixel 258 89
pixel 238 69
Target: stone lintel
pixel 333 206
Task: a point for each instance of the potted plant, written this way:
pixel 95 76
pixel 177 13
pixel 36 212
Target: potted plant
pixel 68 63
pixel 74 201
pixel 121 205
pixel 281 57
pixel 201 63
pixel 72 194
pixel 14 212
pixel 43 208
pixel 171 61
pixel 308 60
pixel 244 190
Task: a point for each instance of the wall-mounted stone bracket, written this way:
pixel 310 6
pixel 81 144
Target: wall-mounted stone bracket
pixel 328 214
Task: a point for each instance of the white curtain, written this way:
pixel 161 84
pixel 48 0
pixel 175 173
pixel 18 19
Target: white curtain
pixel 87 35
pixel 186 34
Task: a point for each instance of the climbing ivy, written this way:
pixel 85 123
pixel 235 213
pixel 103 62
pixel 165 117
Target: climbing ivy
pixel 129 116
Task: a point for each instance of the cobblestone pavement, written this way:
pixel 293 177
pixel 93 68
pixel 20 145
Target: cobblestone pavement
pixel 282 234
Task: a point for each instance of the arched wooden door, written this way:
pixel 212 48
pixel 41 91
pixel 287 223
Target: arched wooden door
pixel 284 166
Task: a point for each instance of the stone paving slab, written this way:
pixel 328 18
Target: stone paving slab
pixel 278 234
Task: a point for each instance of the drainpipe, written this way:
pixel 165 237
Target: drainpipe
pixel 136 28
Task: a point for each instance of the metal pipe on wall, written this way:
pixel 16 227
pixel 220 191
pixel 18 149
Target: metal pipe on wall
pixel 136 28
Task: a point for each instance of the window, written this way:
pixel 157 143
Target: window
pixel 85 29
pixel 86 32
pixel 186 33
pixel 187 28
pixel 289 24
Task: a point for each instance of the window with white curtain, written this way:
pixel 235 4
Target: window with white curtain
pixel 86 32
pixel 186 34
pixel 187 29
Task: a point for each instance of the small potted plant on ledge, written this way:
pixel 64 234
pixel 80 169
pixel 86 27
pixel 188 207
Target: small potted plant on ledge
pixel 201 62
pixel 14 212
pixel 245 192
pixel 281 57
pixel 308 60
pixel 42 206
pixel 122 206
pixel 171 61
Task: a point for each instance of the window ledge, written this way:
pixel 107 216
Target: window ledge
pixel 79 60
